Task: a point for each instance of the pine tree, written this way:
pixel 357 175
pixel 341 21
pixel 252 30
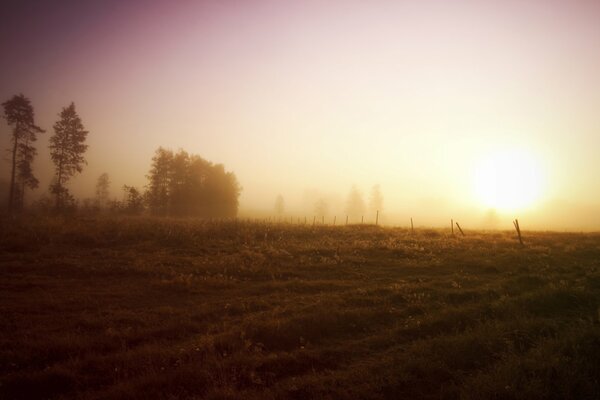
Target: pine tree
pixel 18 113
pixel 66 149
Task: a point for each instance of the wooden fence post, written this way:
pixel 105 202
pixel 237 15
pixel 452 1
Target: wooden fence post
pixel 412 227
pixel 460 229
pixel 334 220
pixel 518 228
pixel 452 226
pixel 377 218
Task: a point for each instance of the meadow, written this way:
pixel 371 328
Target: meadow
pixel 139 308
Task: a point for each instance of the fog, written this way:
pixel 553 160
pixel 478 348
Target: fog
pixel 307 101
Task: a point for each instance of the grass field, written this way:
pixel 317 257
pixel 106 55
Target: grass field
pixel 148 308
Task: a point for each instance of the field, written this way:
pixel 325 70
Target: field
pixel 140 308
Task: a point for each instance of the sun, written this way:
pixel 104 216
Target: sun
pixel 508 180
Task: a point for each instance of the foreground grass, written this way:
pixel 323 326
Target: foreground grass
pixel 142 308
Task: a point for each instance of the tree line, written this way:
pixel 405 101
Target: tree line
pixel 179 184
pixel 183 184
pixel 355 207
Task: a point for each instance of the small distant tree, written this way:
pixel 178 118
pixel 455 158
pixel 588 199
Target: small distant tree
pixel 66 149
pixel 321 208
pixel 376 200
pixel 134 201
pixel 279 205
pixel 102 190
pixel 19 115
pixel 355 204
pixel 159 184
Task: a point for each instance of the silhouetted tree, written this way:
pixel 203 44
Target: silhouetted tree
pixel 19 115
pixel 179 184
pixel 159 176
pixel 355 205
pixel 221 192
pixel 279 205
pixel 102 190
pixel 25 178
pixel 134 201
pixel 199 171
pixel 66 149
pixel 376 200
pixel 184 184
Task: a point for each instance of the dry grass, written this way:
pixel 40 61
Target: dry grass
pixel 144 308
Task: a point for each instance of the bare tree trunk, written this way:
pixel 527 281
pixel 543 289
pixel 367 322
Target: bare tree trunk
pixel 11 194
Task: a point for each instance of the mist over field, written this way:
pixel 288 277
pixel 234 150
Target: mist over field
pixel 307 100
pixel 273 199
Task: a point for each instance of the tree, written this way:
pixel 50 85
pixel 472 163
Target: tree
pixel 376 200
pixel 279 205
pixel 160 181
pixel 134 202
pixel 19 115
pixel 355 205
pixel 184 184
pixel 102 190
pixel 179 184
pixel 25 178
pixel 321 208
pixel 66 150
pixel 221 192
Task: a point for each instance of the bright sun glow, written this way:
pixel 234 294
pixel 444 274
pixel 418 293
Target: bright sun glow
pixel 508 180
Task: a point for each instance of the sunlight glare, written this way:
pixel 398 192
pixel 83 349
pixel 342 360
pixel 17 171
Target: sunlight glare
pixel 508 180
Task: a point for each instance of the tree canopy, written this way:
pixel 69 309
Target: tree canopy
pixel 19 115
pixel 182 184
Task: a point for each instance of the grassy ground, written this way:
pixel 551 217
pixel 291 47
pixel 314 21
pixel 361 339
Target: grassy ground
pixel 143 308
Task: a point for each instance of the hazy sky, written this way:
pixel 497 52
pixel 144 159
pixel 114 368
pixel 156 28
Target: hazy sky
pixel 305 97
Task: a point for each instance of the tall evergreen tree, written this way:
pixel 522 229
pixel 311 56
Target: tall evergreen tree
pixel 66 149
pixel 18 113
